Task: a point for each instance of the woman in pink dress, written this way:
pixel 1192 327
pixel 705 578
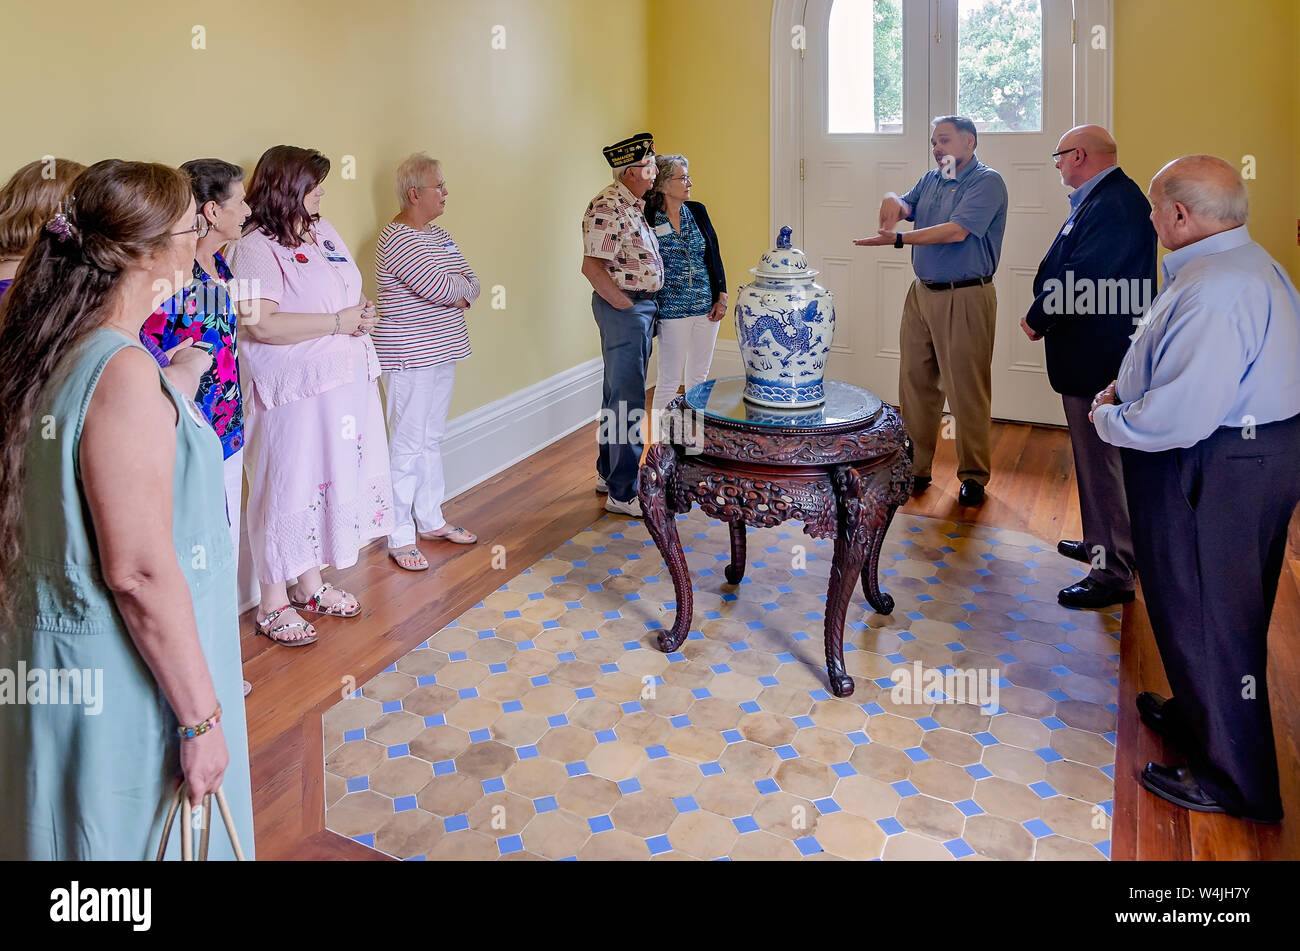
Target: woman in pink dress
pixel 316 456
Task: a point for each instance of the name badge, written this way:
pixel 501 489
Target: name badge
pixel 196 414
pixel 449 244
pixel 664 229
pixel 1142 323
pixel 336 258
pixel 1067 229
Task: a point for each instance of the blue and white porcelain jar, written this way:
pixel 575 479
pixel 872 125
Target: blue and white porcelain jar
pixel 784 324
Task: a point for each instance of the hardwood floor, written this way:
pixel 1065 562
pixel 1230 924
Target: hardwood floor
pixel 530 509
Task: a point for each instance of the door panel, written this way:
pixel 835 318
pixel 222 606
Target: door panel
pixel 846 173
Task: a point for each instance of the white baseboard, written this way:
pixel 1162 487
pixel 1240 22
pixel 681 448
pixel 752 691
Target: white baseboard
pixel 726 360
pixel 488 440
pixel 494 437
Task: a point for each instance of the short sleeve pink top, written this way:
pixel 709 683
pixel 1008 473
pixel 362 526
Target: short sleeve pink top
pixel 317 277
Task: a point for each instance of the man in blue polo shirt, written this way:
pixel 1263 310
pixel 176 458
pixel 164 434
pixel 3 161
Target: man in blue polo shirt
pixel 946 338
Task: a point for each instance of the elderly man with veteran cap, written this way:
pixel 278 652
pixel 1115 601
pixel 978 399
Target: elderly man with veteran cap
pixel 1206 412
pixel 1106 250
pixel 622 262
pixel 949 316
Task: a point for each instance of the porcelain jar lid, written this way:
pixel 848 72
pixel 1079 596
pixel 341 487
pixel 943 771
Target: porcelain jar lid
pixel 784 263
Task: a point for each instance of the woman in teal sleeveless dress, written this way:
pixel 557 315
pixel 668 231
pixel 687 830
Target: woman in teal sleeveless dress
pixel 152 632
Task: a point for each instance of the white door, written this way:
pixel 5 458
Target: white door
pixel 873 74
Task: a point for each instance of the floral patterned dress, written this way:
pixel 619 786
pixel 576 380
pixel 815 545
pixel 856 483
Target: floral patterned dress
pixel 204 312
pixel 316 453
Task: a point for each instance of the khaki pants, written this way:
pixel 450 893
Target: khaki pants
pixel 946 345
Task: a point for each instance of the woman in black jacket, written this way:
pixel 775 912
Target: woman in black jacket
pixel 694 295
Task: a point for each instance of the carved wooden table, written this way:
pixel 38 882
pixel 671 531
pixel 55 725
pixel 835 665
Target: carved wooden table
pixel 841 469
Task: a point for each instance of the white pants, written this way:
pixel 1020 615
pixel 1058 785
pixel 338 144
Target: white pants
pixel 685 354
pixel 234 477
pixel 417 403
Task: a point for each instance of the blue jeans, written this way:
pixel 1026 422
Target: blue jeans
pixel 625 347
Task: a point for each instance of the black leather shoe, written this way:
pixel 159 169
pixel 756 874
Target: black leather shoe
pixel 1076 550
pixel 1176 784
pixel 1151 708
pixel 972 493
pixel 1160 717
pixel 1089 593
pixel 920 484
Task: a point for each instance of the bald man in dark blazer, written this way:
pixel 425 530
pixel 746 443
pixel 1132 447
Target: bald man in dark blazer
pixel 1090 290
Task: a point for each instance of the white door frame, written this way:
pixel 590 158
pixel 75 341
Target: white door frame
pixel 1094 72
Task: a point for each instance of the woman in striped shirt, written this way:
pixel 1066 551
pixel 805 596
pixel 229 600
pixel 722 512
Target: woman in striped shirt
pixel 425 287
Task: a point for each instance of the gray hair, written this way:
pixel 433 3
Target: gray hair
pixel 411 174
pixel 668 164
pixel 1209 187
pixel 961 123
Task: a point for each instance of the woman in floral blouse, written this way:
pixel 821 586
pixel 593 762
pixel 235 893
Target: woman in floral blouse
pixel 316 453
pixel 202 317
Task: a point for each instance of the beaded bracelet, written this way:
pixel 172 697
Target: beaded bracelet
pixel 190 732
pixel 338 322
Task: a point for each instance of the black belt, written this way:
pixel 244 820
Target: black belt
pixel 641 295
pixel 953 285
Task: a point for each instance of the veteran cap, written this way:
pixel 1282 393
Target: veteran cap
pixel 630 150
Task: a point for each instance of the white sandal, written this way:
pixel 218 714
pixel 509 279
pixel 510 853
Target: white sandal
pixel 457 535
pixel 313 604
pixel 411 552
pixel 269 629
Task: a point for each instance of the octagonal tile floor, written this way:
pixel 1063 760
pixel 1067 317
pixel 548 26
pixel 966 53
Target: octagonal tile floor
pixel 545 723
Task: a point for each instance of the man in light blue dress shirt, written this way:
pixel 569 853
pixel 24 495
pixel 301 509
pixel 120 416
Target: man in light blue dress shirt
pixel 1206 409
pixel 950 314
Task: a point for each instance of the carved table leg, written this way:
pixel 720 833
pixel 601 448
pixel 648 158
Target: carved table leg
pixel 881 601
pixel 736 570
pixel 883 486
pixel 658 505
pixel 851 542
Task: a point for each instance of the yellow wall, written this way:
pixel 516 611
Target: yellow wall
pixel 709 101
pixel 519 131
pixel 1190 76
pixel 1207 76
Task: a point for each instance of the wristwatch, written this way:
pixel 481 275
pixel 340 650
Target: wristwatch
pixel 898 239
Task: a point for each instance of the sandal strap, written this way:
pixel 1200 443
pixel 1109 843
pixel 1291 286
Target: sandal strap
pixel 274 632
pixel 314 601
pixel 336 609
pixel 267 621
pixel 268 627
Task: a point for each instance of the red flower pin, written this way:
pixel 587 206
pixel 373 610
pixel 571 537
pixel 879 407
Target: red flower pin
pixel 300 258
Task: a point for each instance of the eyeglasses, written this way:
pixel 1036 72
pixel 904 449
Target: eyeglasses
pixel 201 227
pixel 1057 155
pixel 685 180
pixel 440 186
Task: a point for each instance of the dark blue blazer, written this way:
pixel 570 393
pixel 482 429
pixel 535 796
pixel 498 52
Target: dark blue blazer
pixel 1111 239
